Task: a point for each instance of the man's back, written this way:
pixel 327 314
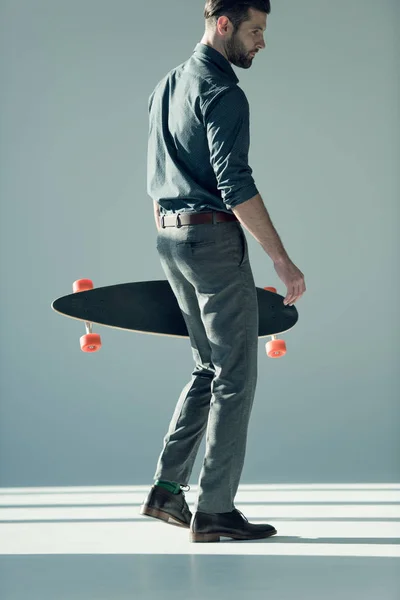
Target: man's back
pixel 199 137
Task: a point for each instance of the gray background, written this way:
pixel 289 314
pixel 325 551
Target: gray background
pixel 75 79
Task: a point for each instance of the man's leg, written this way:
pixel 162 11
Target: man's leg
pixel 211 262
pixel 189 420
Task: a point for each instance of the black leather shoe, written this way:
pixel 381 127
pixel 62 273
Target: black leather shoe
pixel 210 527
pixel 166 506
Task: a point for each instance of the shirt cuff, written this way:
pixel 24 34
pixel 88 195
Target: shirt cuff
pixel 240 196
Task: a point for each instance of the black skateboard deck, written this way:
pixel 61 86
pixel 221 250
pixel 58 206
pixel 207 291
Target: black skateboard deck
pixel 151 307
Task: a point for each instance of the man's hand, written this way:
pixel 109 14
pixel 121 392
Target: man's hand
pixel 293 278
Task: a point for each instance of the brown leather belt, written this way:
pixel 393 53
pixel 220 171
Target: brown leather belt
pixel 179 219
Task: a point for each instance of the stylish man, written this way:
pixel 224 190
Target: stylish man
pixel 203 192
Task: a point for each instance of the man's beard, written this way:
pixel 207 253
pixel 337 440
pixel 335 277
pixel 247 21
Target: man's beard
pixel 236 54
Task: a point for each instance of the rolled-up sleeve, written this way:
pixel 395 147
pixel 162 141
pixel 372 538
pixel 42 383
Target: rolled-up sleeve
pixel 227 123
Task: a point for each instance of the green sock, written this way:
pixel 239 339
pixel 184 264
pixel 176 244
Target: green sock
pixel 171 486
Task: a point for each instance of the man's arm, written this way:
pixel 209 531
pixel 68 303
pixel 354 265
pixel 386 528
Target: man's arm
pixel 254 216
pixel 228 134
pixel 157 214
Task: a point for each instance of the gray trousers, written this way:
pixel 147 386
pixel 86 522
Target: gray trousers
pixel 209 271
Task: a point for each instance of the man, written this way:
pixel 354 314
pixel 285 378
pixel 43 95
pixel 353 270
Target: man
pixel 203 192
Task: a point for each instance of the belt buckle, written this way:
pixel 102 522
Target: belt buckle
pixel 178 223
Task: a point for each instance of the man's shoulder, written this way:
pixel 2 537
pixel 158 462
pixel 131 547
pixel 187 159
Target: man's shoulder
pixel 225 98
pixel 204 89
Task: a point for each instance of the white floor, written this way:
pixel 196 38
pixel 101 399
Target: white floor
pixel 333 541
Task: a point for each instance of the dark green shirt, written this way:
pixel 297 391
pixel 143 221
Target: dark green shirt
pixel 199 137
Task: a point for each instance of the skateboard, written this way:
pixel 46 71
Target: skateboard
pixel 151 307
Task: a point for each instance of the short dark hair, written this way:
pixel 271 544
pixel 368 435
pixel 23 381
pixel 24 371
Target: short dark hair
pixel 236 11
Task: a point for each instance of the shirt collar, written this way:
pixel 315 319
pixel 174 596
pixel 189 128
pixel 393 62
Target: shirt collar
pixel 213 56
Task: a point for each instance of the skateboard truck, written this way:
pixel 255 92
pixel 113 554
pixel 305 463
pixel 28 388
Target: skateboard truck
pixel 91 342
pixel 275 348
